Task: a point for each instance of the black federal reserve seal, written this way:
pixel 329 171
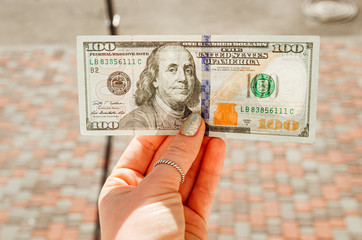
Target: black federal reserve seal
pixel 119 83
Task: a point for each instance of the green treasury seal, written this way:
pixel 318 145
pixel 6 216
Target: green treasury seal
pixel 262 85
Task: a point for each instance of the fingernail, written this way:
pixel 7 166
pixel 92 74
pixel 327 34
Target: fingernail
pixel 191 124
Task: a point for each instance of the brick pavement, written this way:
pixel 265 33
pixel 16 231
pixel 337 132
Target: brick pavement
pixel 50 175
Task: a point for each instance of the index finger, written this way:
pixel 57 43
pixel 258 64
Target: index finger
pixel 139 153
pixel 204 190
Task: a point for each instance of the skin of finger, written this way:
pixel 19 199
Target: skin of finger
pixel 122 178
pixel 203 193
pixel 139 153
pixel 130 168
pixel 195 225
pixel 182 151
pixel 160 151
pixel 191 176
pixel 129 213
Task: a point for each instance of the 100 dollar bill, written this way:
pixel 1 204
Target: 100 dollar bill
pixel 247 87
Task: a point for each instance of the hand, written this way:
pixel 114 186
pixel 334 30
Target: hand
pixel 141 202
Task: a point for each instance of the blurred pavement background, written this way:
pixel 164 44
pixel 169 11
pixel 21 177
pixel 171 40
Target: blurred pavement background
pixel 50 175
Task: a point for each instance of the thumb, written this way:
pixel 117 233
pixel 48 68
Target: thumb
pixel 182 152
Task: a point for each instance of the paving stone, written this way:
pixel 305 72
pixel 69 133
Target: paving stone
pixel 43 221
pixel 74 219
pixel 320 214
pixel 226 207
pixel 293 156
pixel 269 195
pixel 225 237
pixel 287 211
pixel 314 190
pixel 340 234
pixel 226 219
pixel 300 197
pixel 349 204
pixel 354 224
pixel 272 230
pixel 305 219
pixel 274 221
pixel 241 206
pixel 242 229
pixel 266 155
pixel 238 156
pixel 353 236
pixel 8 231
pixel 307 230
pixel 254 189
pixel 259 236
pixel 282 177
pixel 213 235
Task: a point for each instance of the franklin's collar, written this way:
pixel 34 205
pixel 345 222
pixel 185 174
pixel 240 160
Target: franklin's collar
pixel 168 110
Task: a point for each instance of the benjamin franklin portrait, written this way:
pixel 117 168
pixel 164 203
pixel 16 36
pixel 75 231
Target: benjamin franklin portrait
pixel 166 90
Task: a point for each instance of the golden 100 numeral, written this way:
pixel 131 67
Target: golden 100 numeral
pixel 276 124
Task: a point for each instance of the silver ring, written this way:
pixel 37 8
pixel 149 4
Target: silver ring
pixel 173 165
